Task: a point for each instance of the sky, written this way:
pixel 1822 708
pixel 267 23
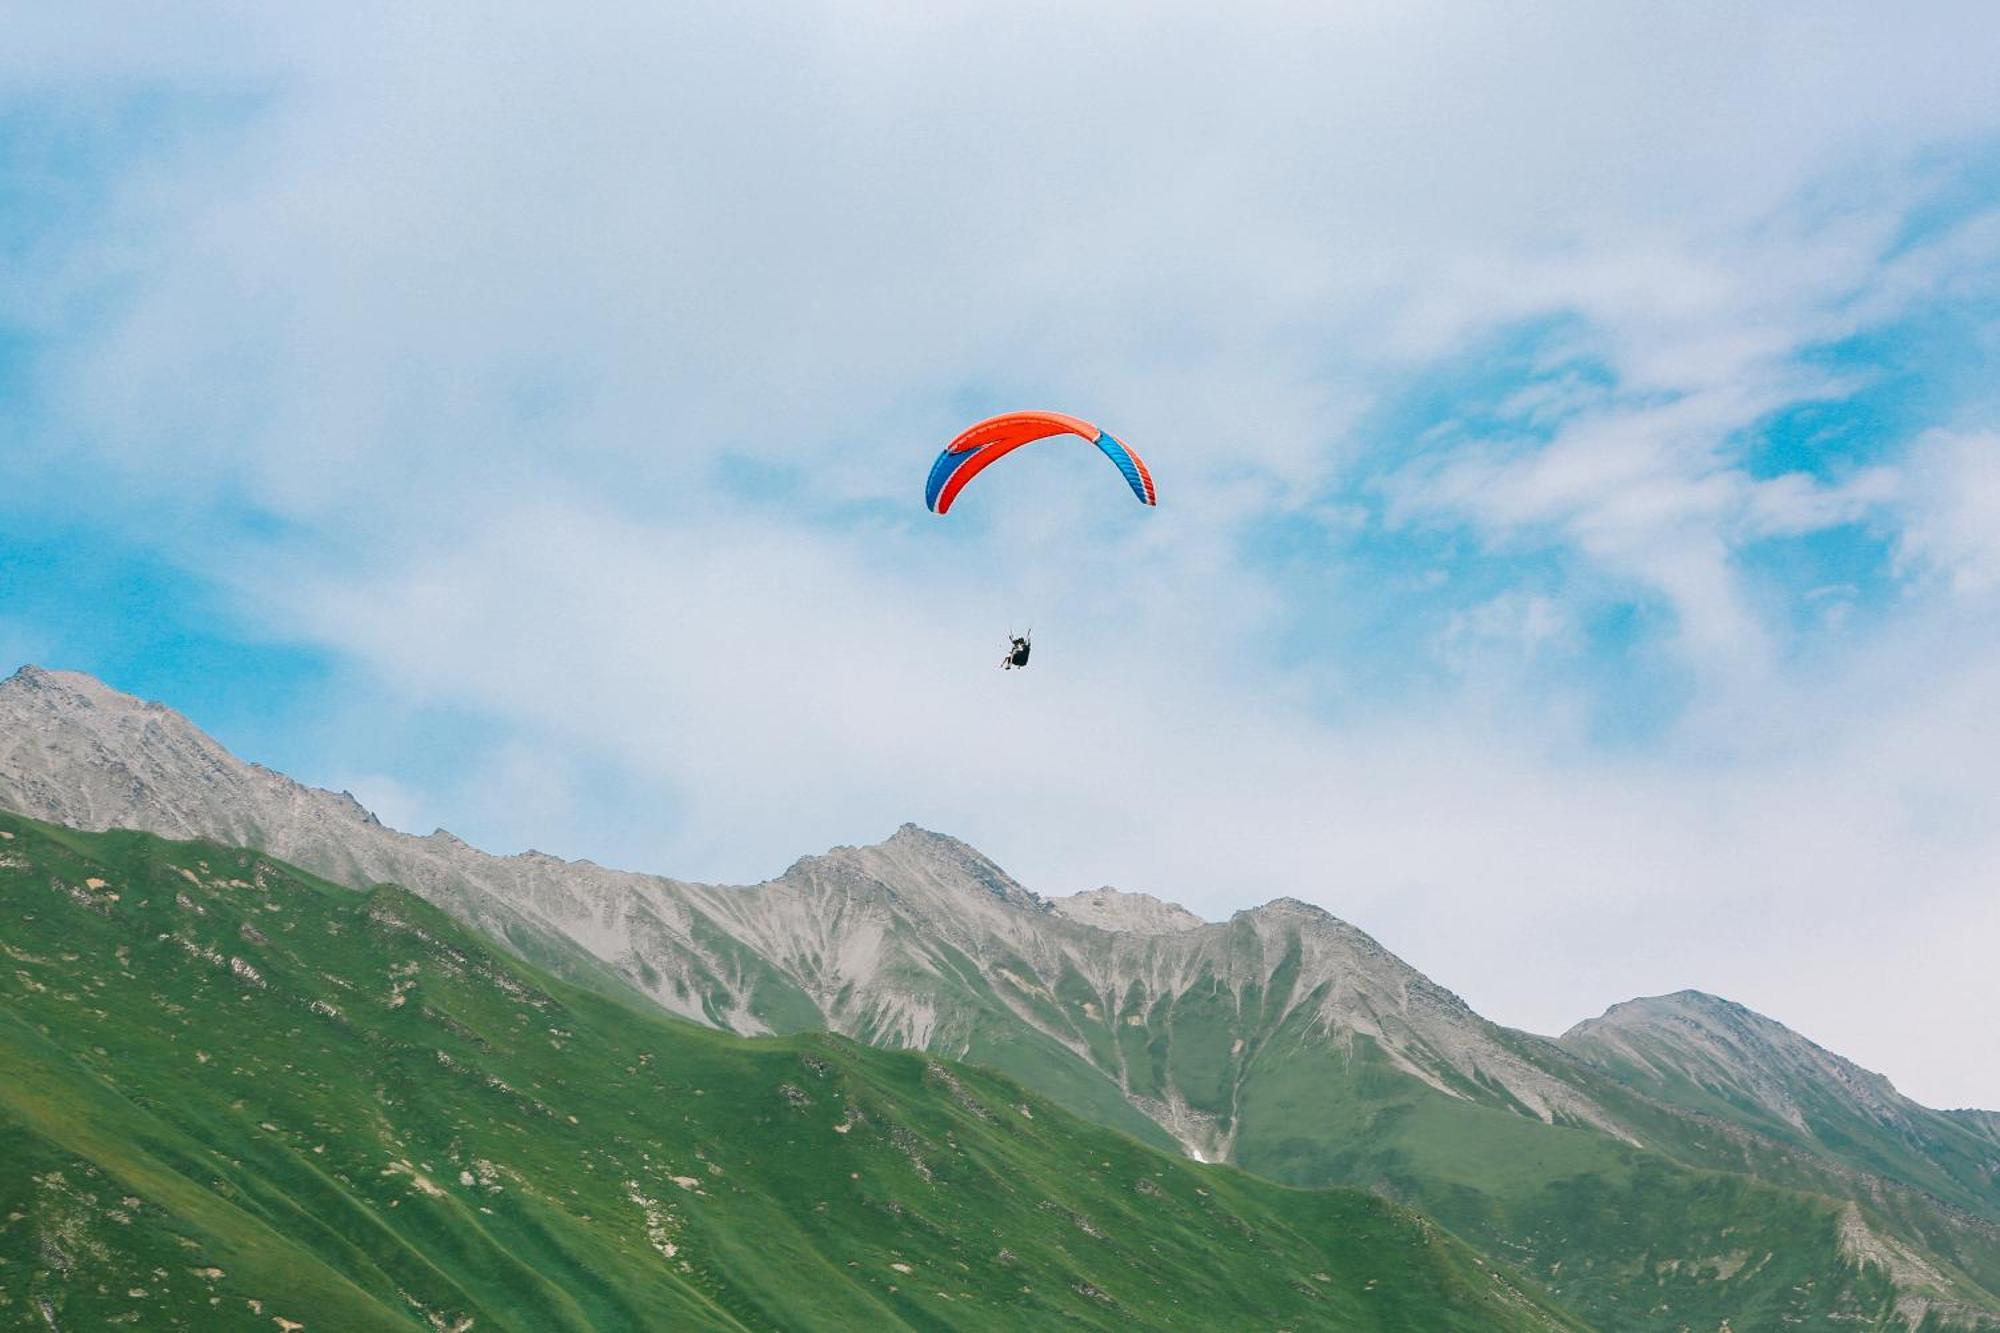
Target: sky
pixel 1576 431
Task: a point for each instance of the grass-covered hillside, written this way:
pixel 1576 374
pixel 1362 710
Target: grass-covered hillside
pixel 1695 1226
pixel 235 1096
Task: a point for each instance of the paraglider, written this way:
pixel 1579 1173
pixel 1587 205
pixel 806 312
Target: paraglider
pixel 991 440
pixel 980 446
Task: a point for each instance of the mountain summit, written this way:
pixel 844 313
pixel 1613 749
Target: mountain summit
pixel 1713 1057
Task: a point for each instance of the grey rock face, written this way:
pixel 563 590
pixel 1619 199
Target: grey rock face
pixel 1140 913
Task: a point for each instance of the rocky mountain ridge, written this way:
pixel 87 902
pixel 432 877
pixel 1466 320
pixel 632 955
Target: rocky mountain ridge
pixel 917 941
pixel 1112 909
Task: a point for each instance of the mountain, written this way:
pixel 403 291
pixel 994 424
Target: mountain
pixel 1283 1040
pixel 918 941
pixel 233 1095
pixel 1716 1058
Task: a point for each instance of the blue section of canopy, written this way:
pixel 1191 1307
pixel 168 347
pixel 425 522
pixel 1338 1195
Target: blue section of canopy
pixel 1122 456
pixel 947 463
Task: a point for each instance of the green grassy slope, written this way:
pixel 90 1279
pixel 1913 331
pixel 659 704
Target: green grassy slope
pixel 232 1095
pixel 1692 1229
pixel 1959 1246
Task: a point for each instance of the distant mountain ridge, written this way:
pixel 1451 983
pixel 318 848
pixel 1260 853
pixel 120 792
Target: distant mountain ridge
pixel 1714 1057
pixel 1283 1039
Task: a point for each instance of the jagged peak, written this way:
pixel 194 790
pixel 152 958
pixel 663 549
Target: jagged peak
pixel 1108 908
pixel 947 860
pixel 1685 999
pixel 1687 1006
pixel 907 836
pixel 916 835
pixel 37 679
pixel 1298 914
pixel 536 854
pixel 1724 1035
pixel 1294 909
pixel 348 801
pixel 80 698
pixel 1298 906
pixel 28 675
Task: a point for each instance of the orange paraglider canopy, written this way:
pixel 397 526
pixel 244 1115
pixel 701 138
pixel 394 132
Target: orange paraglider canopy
pixel 1016 428
pixel 994 438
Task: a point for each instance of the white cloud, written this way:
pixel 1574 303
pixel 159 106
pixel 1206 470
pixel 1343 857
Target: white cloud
pixel 23 643
pixel 1952 528
pixel 391 800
